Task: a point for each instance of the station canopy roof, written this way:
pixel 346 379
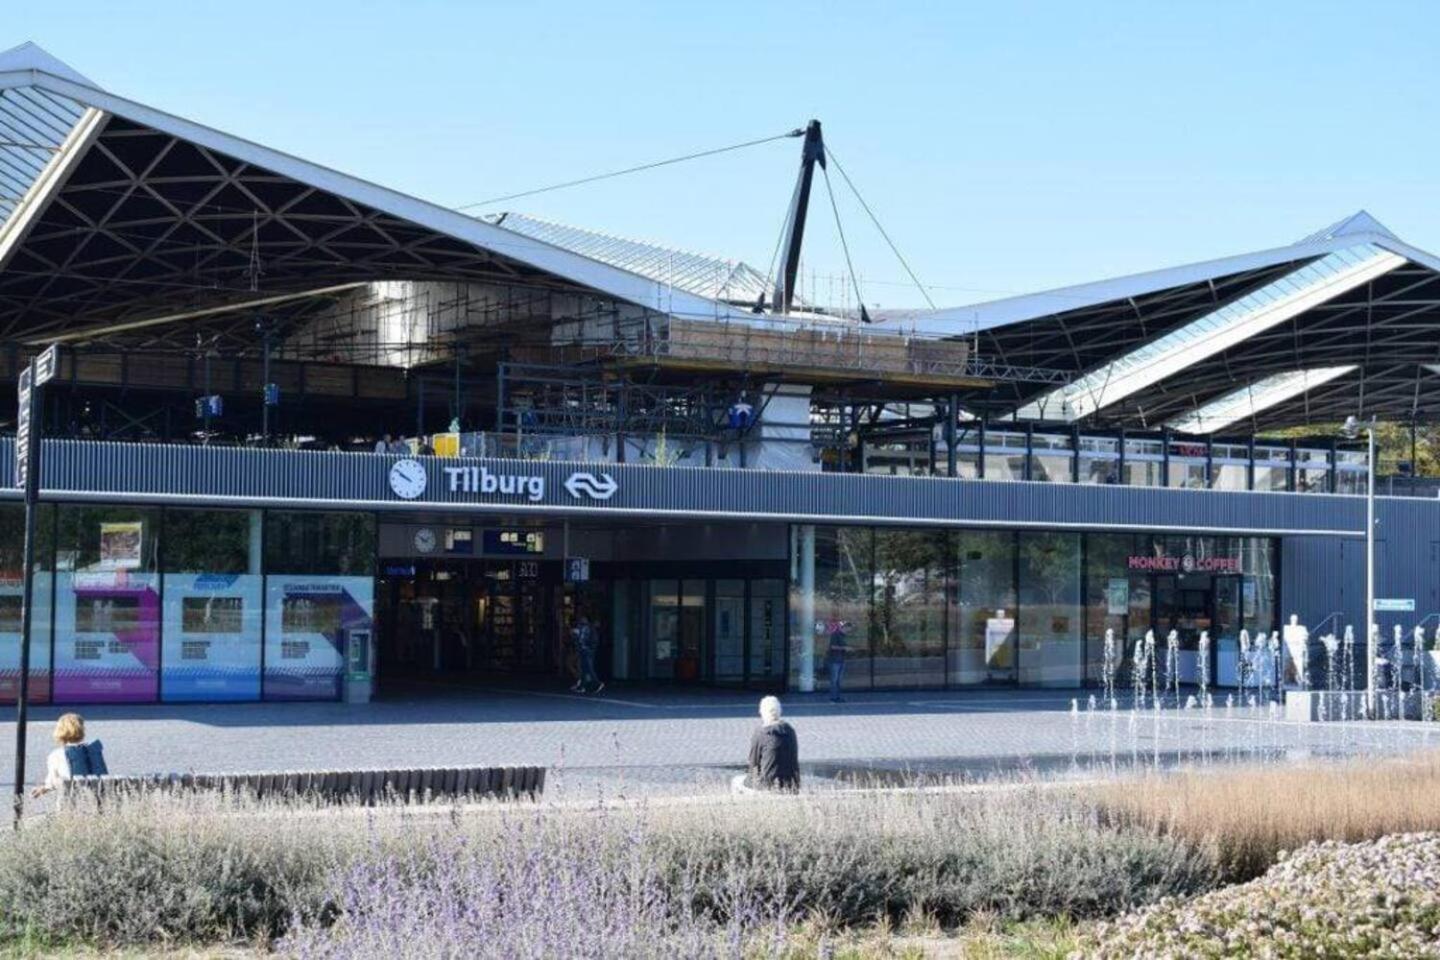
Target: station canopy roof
pixel 1345 321
pixel 117 218
pixel 715 278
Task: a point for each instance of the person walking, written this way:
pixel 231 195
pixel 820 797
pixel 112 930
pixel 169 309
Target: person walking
pixel 587 643
pixel 383 444
pixel 835 657
pixel 774 761
pixel 72 756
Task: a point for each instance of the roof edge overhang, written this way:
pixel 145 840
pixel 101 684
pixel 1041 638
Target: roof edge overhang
pixel 603 278
pixel 45 186
pixel 959 321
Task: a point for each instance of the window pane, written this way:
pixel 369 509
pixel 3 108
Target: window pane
pixel 212 605
pixel 107 605
pixel 12 594
pixel 843 576
pixel 908 637
pixel 1107 603
pixel 319 590
pixel 982 639
pixel 1049 638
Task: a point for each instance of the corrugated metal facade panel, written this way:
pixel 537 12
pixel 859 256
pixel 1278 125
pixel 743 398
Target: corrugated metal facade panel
pixel 1321 556
pixel 173 473
pixel 1322 575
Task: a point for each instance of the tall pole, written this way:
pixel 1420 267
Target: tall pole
pixel 27 447
pixel 1370 576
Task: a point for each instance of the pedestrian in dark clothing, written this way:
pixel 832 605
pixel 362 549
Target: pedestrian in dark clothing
pixel 587 642
pixel 774 762
pixel 835 657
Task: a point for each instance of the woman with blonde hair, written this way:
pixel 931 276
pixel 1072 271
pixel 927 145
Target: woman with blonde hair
pixel 72 756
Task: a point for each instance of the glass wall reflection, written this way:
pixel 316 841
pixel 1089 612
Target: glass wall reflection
pixel 932 608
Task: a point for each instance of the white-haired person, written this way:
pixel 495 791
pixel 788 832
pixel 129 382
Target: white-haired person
pixel 774 762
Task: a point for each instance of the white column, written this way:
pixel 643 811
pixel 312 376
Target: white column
pixel 802 576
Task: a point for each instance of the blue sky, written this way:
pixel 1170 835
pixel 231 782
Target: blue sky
pixel 1006 147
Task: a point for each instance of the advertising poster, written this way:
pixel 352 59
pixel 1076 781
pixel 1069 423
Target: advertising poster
pixel 11 601
pixel 107 636
pixel 120 546
pixel 211 637
pixel 307 619
pixel 1117 596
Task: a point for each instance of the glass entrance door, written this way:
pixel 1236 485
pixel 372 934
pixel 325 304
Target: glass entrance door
pixel 1184 604
pixel 728 623
pixel 766 637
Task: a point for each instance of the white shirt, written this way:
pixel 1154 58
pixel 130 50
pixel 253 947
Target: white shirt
pixel 57 769
pixel 381 446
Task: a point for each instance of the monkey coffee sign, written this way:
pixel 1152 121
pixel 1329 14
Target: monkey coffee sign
pixel 1186 563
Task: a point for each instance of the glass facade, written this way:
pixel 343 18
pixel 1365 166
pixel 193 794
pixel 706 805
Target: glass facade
pixel 319 589
pixel 135 605
pixel 1179 461
pixel 966 607
pixel 12 594
pixel 107 605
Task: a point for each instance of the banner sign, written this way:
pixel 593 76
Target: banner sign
pixel 211 637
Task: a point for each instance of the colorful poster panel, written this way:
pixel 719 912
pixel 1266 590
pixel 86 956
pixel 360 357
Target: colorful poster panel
pixel 307 620
pixel 211 637
pixel 12 594
pixel 107 636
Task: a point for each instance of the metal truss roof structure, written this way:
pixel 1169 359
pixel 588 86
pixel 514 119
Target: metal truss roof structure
pixel 117 218
pixel 731 281
pixel 1353 301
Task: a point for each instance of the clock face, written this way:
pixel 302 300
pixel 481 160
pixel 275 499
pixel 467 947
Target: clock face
pixel 424 540
pixel 407 479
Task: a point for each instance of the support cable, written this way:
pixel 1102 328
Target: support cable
pixel 644 166
pixel 864 316
pixel 876 220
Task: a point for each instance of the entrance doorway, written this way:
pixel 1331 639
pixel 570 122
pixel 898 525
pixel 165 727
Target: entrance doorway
pixel 1192 603
pixel 726 631
pixel 470 619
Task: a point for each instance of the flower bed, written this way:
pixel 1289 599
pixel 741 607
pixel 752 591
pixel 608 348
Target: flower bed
pixel 1374 899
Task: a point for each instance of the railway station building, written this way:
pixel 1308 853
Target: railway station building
pixel 313 438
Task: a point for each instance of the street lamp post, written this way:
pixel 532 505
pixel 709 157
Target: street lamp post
pixel 1352 429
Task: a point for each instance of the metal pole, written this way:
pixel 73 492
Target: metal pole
pixel 1370 577
pixel 22 696
pixel 265 391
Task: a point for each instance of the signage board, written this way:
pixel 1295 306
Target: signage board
pixel 1394 604
pixel 577 569
pixel 1186 563
pixel 47 364
pixel 22 427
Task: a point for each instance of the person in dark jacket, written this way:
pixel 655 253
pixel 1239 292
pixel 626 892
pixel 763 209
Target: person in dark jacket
pixel 774 752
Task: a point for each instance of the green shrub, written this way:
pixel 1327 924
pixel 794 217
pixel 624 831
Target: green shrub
pixel 188 871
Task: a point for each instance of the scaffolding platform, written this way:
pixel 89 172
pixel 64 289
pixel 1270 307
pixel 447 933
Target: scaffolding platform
pixel 795 352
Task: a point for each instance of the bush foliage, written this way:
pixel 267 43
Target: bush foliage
pixel 348 882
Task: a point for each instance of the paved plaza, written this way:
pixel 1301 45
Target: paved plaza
pixel 647 740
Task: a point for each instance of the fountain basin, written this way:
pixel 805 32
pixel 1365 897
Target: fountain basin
pixel 1331 705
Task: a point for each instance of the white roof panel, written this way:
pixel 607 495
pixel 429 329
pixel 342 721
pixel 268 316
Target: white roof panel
pixel 730 280
pixel 1255 398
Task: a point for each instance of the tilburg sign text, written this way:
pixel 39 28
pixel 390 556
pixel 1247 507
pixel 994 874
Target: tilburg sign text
pixel 409 480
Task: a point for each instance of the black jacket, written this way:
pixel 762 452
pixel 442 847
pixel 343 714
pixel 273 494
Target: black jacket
pixel 775 757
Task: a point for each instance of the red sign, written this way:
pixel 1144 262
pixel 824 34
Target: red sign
pixel 1183 564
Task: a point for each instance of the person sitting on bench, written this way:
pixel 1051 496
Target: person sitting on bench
pixel 73 757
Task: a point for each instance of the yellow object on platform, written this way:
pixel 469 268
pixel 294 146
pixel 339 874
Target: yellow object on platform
pixel 446 444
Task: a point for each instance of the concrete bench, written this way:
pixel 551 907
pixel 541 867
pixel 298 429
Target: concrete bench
pixel 410 785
